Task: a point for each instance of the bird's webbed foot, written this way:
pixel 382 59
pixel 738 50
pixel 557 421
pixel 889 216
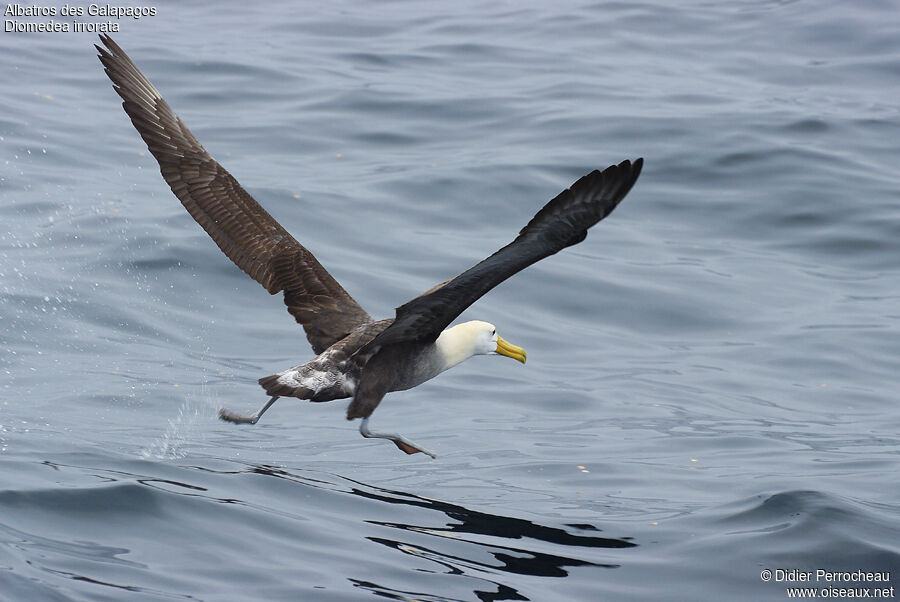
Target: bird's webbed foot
pixel 229 416
pixel 401 442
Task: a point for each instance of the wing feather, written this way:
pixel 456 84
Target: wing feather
pixel 242 229
pixel 561 223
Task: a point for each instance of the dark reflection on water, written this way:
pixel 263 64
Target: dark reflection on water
pixel 517 560
pixel 498 526
pixel 128 498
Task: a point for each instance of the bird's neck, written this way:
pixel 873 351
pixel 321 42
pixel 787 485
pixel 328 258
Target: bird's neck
pixel 453 347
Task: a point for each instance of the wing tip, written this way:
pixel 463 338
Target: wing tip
pixel 111 48
pixel 622 176
pixel 636 166
pixel 631 166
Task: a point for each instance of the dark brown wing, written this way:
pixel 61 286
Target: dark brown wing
pixel 245 232
pixel 563 222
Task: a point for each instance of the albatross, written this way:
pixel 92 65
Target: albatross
pixel 356 356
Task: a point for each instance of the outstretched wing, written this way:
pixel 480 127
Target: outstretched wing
pixel 245 232
pixel 562 222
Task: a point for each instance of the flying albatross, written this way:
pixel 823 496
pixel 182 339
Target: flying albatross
pixel 356 356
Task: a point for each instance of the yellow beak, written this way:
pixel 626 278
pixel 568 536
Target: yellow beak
pixel 510 350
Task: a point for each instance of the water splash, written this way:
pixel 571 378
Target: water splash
pixel 182 431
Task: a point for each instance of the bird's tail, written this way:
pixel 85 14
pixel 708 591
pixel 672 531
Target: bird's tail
pixel 275 386
pixel 287 384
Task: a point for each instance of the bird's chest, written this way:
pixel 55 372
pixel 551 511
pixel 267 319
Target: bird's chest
pixel 422 363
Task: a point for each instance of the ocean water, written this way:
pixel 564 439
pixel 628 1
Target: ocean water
pixel 712 384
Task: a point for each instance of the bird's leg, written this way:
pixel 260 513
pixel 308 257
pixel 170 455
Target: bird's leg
pixel 229 416
pixel 404 444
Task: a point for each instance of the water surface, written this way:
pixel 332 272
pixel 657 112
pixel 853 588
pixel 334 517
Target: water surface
pixel 712 380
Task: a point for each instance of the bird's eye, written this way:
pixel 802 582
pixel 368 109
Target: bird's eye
pixel 493 332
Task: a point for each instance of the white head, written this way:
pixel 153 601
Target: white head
pixel 462 341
